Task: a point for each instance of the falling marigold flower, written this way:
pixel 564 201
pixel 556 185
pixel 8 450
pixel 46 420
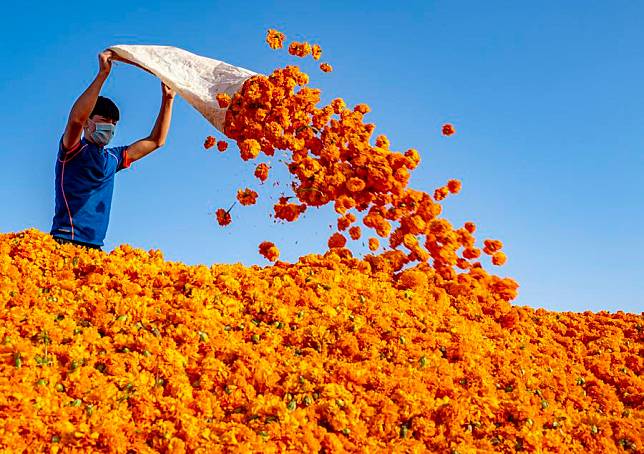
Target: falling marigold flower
pixel 316 51
pixel 222 145
pixel 269 251
pixel 440 193
pixel 355 232
pixel 249 149
pixel 454 186
pixel 275 39
pixel 223 217
pixel 261 172
pixel 362 108
pixel 223 99
pixel 209 142
pixel 448 129
pixel 325 67
pixel 337 240
pixel 499 258
pixel 247 196
pixel 374 244
pixel 299 49
pixel 492 246
pixel 470 227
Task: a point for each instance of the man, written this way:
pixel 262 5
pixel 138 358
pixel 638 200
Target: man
pixel 85 169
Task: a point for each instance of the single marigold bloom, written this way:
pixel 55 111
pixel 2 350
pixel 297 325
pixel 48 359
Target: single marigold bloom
pixel 223 99
pixel 209 142
pixel 374 244
pixel 325 67
pixel 337 240
pixel 275 39
pixel 362 108
pixel 355 184
pixel 499 258
pixel 316 51
pixel 454 186
pixel 223 217
pixel 222 145
pixel 288 211
pixel 471 253
pixel 355 232
pixel 247 196
pixel 269 251
pixel 382 141
pixel 249 149
pixel 413 158
pixel 299 49
pixel 470 227
pixel 261 172
pixel 440 193
pixel 448 129
pixel 492 246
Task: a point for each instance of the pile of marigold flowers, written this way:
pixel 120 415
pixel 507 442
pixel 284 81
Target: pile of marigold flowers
pixel 125 352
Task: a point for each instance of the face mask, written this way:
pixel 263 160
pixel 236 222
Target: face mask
pixel 103 133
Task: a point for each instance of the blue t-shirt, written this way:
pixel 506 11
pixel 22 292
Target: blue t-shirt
pixel 84 189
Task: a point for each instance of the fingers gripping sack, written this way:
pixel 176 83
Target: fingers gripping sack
pixel 196 79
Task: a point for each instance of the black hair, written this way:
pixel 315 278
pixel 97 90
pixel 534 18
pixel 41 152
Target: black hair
pixel 106 108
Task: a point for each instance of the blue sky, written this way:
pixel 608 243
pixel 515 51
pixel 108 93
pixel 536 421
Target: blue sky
pixel 547 99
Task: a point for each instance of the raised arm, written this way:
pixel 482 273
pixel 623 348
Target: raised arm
pixel 85 103
pixel 157 137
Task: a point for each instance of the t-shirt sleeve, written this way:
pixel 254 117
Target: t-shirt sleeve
pixel 122 161
pixel 64 153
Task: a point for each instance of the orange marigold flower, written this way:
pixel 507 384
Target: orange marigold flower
pixel 470 227
pixel 448 129
pixel 223 100
pixel 362 108
pixel 337 240
pixel 492 246
pixel 355 184
pixel 299 49
pixel 222 145
pixel 275 39
pixel 223 217
pixel 327 68
pixel 249 149
pixel 413 158
pixel 288 211
pixel 440 193
pixel 355 232
pixel 269 251
pixel 499 258
pixel 209 142
pixel 316 51
pixel 261 172
pixel 454 186
pixel 374 244
pixel 471 253
pixel 247 196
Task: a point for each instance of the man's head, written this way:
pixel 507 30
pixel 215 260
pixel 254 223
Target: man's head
pixel 99 127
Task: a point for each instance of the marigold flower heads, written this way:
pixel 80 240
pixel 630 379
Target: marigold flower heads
pixel 355 232
pixel 249 149
pixel 448 129
pixel 209 142
pixel 374 244
pixel 316 51
pixel 223 99
pixel 223 217
pixel 337 240
pixel 275 39
pixel 325 67
pixel 492 246
pixel 261 172
pixel 247 196
pixel 269 251
pixel 499 258
pixel 454 186
pixel 299 49
pixel 222 145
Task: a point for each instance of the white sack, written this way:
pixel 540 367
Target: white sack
pixel 196 79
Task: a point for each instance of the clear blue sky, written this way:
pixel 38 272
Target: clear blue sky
pixel 547 99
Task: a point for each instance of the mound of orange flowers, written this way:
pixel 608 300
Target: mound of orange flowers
pixel 125 352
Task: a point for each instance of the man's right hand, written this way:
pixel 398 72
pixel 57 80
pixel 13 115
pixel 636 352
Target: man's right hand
pixel 105 62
